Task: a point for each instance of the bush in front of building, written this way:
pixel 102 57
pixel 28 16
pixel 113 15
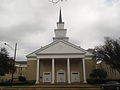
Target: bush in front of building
pixel 100 81
pixel 98 74
pixel 22 78
pixel 8 83
pixel 95 81
pixel 30 82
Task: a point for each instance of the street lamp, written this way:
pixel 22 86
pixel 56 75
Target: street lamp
pixel 14 58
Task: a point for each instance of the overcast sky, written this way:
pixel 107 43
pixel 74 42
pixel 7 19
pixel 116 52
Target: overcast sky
pixel 31 23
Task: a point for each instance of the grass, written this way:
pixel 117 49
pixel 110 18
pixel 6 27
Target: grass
pixel 54 86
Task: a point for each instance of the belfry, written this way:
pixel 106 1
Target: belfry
pixel 60 32
pixel 60 61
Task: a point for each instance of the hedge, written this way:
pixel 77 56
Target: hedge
pixel 100 81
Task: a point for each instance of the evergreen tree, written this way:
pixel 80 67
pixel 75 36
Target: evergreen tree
pixel 6 63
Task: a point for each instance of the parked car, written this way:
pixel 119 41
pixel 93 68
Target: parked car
pixel 114 85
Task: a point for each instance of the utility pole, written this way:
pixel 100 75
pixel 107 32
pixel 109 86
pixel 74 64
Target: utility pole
pixel 14 58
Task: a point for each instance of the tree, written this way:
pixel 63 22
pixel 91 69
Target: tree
pixel 98 74
pixel 109 53
pixel 6 63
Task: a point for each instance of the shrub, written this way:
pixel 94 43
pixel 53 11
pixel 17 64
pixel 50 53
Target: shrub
pixel 21 78
pixel 31 82
pixel 95 81
pixel 100 81
pixel 98 74
pixel 8 83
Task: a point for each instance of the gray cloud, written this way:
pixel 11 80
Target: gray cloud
pixel 20 31
pixel 31 23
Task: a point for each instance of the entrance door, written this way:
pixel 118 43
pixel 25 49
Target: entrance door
pixel 75 77
pixel 61 76
pixel 47 77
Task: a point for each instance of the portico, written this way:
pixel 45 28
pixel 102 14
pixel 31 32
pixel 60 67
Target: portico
pixel 66 67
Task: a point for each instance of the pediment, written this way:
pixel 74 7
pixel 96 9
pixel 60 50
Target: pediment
pixel 61 47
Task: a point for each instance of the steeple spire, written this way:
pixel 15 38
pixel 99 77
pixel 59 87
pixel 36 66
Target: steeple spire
pixel 60 32
pixel 60 17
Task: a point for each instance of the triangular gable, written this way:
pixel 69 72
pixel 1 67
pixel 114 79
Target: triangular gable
pixel 33 54
pixel 61 47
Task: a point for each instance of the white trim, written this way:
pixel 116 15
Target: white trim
pixel 60 56
pixel 88 58
pixel 31 59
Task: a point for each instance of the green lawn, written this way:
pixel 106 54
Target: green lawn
pixel 51 86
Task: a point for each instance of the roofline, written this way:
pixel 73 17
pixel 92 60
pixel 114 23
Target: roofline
pixel 61 54
pixel 54 42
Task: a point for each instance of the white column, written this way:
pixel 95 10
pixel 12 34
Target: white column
pixel 84 70
pixel 68 70
pixel 53 70
pixel 37 72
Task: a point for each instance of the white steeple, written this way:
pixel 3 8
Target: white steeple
pixel 60 32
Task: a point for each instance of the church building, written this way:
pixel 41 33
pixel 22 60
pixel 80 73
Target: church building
pixel 60 61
